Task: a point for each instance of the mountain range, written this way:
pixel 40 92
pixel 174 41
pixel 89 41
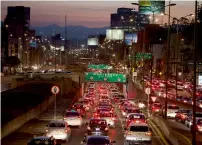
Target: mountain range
pixel 72 32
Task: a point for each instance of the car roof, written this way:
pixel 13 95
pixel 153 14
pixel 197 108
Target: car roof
pixel 42 137
pixel 57 121
pixel 100 137
pixel 138 124
pixel 97 119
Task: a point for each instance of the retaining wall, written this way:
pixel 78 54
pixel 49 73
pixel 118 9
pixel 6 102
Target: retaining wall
pixel 20 120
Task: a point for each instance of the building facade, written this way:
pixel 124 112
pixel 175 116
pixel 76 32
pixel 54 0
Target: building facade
pixel 128 19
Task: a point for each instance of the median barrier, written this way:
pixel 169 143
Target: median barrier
pixel 20 120
pixel 165 129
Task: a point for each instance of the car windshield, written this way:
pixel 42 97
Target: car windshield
pixel 57 125
pixel 42 142
pixel 173 107
pixel 133 111
pixel 199 122
pixel 106 115
pixel 136 116
pixel 139 128
pixel 98 122
pixel 156 105
pixel 98 141
pixel 199 115
pixel 72 114
pixel 185 111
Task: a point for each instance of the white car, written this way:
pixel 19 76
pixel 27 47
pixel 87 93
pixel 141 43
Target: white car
pixel 171 111
pixel 73 118
pixel 180 85
pixel 59 129
pixel 137 133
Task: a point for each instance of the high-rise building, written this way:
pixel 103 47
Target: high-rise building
pixel 17 22
pixel 128 19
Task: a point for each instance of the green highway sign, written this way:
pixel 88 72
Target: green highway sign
pixel 99 66
pixel 105 77
pixel 142 55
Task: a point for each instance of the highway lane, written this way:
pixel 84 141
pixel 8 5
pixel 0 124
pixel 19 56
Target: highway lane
pixel 178 127
pixel 38 126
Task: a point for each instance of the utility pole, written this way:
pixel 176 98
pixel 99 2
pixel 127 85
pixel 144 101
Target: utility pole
pixel 65 47
pixel 176 58
pixel 167 60
pixel 194 87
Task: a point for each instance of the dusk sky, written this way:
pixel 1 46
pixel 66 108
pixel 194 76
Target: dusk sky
pixel 84 13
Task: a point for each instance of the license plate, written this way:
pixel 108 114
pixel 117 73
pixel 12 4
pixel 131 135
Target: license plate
pixel 138 138
pixel 97 129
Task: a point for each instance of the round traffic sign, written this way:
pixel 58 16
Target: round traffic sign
pixel 55 90
pixel 147 91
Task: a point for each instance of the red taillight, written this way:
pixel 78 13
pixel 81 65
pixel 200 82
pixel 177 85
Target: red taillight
pixel 106 128
pixel 148 133
pixel 88 128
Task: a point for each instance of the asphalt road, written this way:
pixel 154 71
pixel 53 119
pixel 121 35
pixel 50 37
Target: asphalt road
pixel 178 127
pixel 38 126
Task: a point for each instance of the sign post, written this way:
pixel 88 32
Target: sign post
pixel 148 92
pixel 55 90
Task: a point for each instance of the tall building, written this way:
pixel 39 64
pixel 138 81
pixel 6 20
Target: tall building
pixel 17 22
pixel 127 19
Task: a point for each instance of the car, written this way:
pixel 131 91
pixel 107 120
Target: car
pixel 97 140
pixel 182 114
pixel 156 107
pixel 171 110
pixel 189 119
pixel 73 118
pixel 58 129
pixel 79 108
pixel 42 140
pixel 135 118
pixel 109 117
pixel 97 127
pixel 137 133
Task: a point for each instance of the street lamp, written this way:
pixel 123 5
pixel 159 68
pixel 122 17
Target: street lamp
pixel 177 45
pixel 154 10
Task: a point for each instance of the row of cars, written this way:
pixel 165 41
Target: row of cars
pixel 96 99
pixel 184 116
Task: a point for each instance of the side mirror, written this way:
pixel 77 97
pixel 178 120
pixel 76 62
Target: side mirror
pixel 113 142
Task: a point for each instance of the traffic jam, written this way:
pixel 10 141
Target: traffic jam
pixel 99 110
pixel 176 112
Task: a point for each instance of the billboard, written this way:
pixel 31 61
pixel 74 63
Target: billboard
pixel 114 34
pixel 92 41
pixel 147 6
pixel 130 37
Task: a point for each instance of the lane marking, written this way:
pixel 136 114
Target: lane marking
pixel 159 134
pixel 184 137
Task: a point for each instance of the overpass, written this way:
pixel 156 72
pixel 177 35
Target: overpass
pixel 8 82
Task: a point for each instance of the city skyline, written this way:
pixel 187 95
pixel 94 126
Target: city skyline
pixel 83 13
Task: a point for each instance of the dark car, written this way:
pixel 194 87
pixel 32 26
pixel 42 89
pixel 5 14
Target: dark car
pixel 97 140
pixel 42 140
pixel 79 108
pixel 97 127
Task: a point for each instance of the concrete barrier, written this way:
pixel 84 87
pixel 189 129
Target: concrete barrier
pixel 165 129
pixel 20 120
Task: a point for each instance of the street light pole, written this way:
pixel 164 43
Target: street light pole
pixel 194 87
pixel 176 70
pixel 167 60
